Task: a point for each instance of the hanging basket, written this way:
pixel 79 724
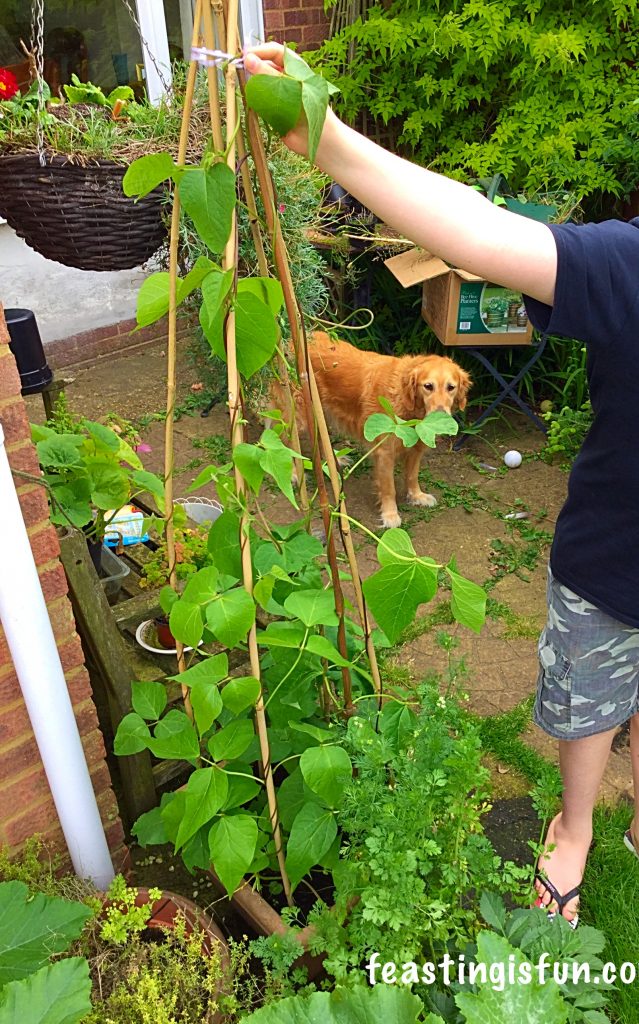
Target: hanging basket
pixel 78 214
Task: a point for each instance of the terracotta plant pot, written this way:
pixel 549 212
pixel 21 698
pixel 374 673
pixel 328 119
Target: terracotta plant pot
pixel 171 906
pixel 164 914
pixel 264 920
pixel 164 634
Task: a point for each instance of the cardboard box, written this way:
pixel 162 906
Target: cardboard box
pixel 461 308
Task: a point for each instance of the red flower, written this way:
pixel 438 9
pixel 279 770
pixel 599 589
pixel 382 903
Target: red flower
pixel 8 84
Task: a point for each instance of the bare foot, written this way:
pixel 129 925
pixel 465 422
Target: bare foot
pixel 563 863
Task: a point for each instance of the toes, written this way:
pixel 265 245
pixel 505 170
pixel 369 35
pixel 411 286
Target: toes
pixel 544 899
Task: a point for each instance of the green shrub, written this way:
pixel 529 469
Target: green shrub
pixel 543 91
pixel 566 432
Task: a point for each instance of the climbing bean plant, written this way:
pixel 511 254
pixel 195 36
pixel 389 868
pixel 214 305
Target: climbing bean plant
pixel 221 816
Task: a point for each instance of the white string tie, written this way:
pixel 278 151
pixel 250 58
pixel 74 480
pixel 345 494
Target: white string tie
pixel 214 58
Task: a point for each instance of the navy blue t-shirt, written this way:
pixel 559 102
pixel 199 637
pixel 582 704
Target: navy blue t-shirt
pixel 595 551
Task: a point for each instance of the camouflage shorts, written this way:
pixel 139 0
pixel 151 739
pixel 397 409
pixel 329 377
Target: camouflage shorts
pixel 588 668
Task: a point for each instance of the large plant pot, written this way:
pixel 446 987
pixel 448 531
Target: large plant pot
pixel 170 906
pixel 264 920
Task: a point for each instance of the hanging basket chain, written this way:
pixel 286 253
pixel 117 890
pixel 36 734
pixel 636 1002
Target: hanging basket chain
pixel 147 49
pixel 37 47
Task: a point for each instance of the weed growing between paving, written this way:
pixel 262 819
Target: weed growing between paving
pixel 518 627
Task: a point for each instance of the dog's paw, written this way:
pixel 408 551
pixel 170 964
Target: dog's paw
pixel 391 519
pixel 423 499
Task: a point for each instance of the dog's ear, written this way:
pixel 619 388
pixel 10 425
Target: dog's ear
pixel 413 385
pixel 464 384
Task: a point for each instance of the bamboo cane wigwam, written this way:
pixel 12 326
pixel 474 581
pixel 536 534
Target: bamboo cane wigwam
pixel 224 34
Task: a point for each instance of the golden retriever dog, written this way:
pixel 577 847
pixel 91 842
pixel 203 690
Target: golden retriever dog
pixel 350 381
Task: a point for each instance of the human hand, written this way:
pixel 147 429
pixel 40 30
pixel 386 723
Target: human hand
pixel 268 59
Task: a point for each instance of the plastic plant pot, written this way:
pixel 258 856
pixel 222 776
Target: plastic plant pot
pixel 200 509
pixel 114 571
pixel 26 345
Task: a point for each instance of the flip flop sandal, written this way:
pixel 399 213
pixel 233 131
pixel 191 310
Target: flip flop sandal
pixel 560 900
pixel 629 842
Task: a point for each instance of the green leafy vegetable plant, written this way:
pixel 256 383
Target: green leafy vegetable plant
pixel 89 471
pixel 343 1006
pixel 298 90
pixel 33 989
pixel 415 859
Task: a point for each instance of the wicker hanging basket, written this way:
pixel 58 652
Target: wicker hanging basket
pixel 78 214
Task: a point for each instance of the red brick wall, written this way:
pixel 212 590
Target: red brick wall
pixel 114 339
pixel 296 21
pixel 26 805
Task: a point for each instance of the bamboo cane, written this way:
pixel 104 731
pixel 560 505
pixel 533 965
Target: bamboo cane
pixel 263 266
pixel 303 363
pixel 230 258
pixel 212 73
pixel 172 340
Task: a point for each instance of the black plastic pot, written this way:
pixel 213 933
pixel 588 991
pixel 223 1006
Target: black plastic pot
pixel 26 345
pixel 95 551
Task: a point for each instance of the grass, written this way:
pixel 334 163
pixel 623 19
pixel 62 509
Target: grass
pixel 610 901
pixel 500 735
pixel 518 627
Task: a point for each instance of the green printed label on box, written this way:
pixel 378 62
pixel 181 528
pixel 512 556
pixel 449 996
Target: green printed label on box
pixel 489 309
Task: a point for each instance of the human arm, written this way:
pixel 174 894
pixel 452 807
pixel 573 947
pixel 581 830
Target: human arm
pixel 444 216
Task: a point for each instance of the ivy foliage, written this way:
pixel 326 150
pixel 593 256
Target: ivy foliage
pixel 543 90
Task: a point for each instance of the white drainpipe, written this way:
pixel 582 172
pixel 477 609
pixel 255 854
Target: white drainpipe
pixel 24 617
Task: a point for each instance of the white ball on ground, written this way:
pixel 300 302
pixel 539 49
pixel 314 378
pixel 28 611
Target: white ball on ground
pixel 512 459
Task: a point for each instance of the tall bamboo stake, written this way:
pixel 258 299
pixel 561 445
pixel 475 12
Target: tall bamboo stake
pixel 172 339
pixel 264 269
pixel 345 531
pixel 234 401
pixel 212 73
pixel 303 364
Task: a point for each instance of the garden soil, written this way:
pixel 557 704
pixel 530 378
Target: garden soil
pixel 468 523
